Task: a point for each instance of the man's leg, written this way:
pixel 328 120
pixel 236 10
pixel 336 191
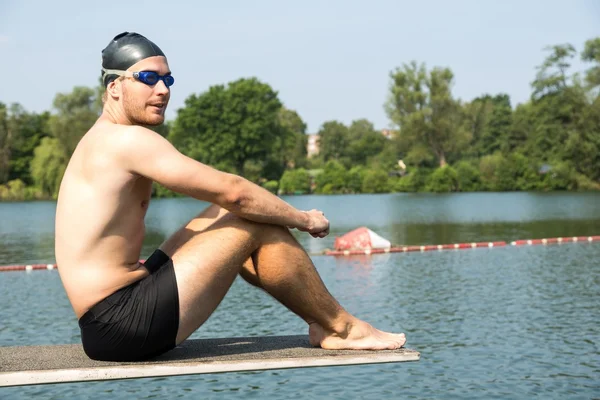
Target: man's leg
pixel 213 248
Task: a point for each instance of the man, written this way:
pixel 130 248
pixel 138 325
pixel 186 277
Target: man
pixel 129 310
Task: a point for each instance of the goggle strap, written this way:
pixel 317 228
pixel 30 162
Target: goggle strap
pixel 116 72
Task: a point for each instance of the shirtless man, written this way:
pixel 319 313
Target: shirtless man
pixel 129 310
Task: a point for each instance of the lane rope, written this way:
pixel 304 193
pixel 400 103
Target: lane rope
pixel 393 249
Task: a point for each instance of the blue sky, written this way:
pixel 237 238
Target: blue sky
pixel 327 59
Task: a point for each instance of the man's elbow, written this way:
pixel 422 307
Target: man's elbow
pixel 235 193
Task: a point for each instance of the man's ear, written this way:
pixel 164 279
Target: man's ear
pixel 114 89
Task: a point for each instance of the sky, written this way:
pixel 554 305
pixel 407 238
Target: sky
pixel 328 60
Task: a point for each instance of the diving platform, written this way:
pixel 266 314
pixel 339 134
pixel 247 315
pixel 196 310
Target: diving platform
pixel 35 365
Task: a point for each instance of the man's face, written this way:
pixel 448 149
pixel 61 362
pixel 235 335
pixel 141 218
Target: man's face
pixel 145 104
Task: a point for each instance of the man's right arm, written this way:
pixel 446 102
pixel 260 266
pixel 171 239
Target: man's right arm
pixel 148 154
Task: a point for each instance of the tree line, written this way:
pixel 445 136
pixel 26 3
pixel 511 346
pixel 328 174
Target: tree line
pixel 440 143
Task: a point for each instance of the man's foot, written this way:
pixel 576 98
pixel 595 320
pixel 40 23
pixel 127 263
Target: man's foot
pixel 359 336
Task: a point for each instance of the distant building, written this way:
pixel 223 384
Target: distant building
pixel 312 147
pixel 388 133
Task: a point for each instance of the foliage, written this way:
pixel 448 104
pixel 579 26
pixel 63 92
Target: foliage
pixel 440 144
pixel 17 190
pixel 75 115
pixel 413 181
pixel 271 186
pixel 295 181
pixel 443 179
pixel 333 179
pixel 333 141
pixel 48 166
pixel 468 176
pixel 227 126
pixel 430 120
pixel 375 181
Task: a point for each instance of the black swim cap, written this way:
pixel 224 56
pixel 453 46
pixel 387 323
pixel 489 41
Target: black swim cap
pixel 125 50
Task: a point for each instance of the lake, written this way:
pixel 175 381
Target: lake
pixel 507 322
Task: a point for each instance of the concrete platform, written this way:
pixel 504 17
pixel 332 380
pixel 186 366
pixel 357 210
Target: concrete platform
pixel 34 365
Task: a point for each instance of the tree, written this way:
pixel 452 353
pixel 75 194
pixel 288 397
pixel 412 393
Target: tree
pixel 229 126
pixel 6 134
pixel 292 142
pixel 31 128
pixel 48 166
pixel 295 181
pixel 591 53
pixel 552 74
pixel 364 141
pixel 430 120
pixel 489 120
pixel 333 141
pixel 333 179
pixel 557 106
pixel 75 115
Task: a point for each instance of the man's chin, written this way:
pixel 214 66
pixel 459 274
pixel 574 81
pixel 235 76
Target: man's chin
pixel 154 120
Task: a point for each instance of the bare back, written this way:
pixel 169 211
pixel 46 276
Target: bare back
pixel 99 220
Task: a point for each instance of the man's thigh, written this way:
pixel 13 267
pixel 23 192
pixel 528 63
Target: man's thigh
pixel 207 254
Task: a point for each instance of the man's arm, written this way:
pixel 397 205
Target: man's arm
pixel 148 154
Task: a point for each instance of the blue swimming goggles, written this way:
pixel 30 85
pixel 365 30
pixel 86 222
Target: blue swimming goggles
pixel 150 78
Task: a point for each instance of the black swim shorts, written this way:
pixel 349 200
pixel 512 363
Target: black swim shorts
pixel 136 322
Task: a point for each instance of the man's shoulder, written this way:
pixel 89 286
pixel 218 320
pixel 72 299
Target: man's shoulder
pixel 124 137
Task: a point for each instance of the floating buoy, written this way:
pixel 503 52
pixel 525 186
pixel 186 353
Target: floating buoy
pixel 361 239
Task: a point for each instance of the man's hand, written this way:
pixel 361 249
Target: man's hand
pixel 318 226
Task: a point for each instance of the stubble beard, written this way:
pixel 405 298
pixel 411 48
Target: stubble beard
pixel 137 113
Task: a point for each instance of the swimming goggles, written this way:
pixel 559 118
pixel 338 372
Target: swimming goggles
pixel 150 78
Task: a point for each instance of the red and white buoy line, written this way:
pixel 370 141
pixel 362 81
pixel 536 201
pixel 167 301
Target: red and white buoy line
pixel 457 246
pixel 393 249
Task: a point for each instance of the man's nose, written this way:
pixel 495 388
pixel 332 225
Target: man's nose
pixel 161 88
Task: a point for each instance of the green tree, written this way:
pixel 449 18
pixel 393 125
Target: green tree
pixel 294 141
pixel 489 119
pixel 591 53
pixel 48 166
pixel 228 126
pixel 468 176
pixel 333 141
pixel 75 115
pixel 443 179
pixel 29 133
pixel 355 178
pixel 333 179
pixel 20 133
pixel 375 181
pixel 430 120
pixel 7 129
pixel 364 141
pixel 552 74
pixel 295 181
